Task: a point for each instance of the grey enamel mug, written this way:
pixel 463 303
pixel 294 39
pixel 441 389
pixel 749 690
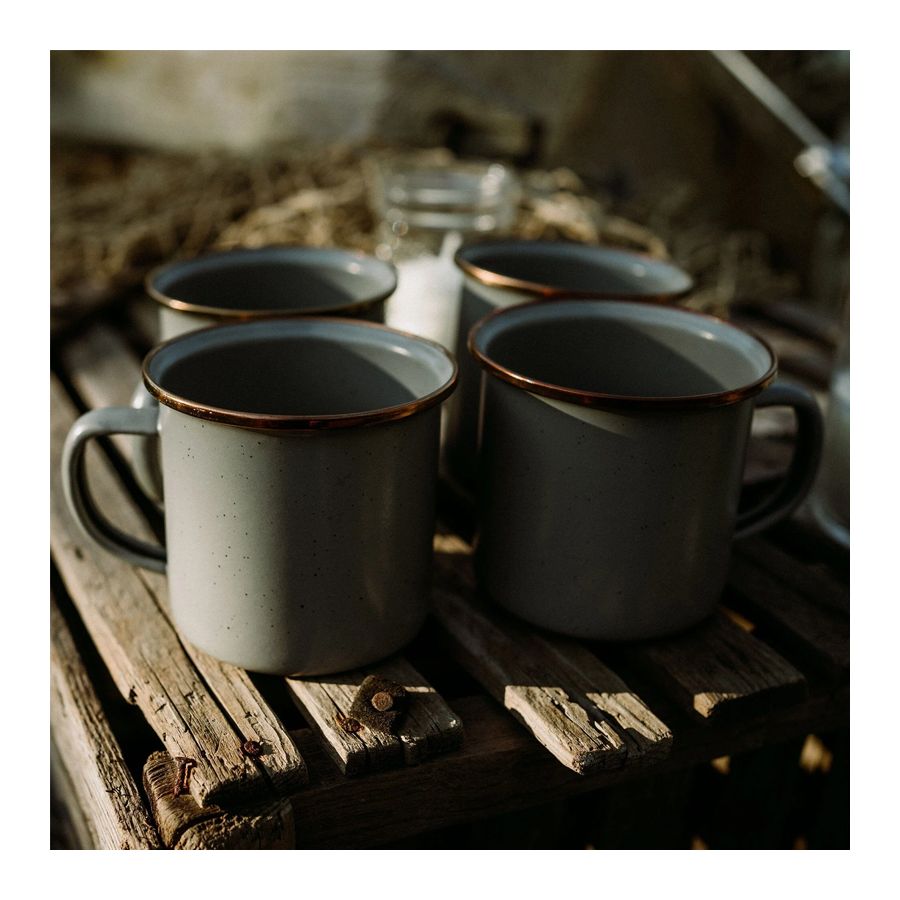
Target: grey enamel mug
pixel 268 282
pixel 249 284
pixel 612 445
pixel 299 458
pixel 500 274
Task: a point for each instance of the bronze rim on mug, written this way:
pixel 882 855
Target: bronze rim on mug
pixel 275 281
pixel 500 274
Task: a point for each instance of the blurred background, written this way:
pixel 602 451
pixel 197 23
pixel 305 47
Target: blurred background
pixel 736 165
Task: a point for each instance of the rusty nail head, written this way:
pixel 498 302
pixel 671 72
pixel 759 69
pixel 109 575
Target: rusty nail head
pixel 382 701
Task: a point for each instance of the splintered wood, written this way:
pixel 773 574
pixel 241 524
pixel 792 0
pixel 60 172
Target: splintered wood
pixel 580 710
pixel 100 778
pixel 428 726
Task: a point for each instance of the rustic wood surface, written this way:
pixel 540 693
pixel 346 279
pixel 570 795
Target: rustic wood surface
pixel 812 580
pixel 501 768
pixel 97 772
pixel 718 668
pixel 428 726
pixel 267 825
pixel 817 634
pixel 574 706
pixel 721 690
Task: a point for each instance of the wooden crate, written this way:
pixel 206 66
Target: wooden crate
pixel 503 717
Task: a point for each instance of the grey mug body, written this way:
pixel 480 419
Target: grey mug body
pixel 500 274
pixel 250 284
pixel 299 459
pixel 612 445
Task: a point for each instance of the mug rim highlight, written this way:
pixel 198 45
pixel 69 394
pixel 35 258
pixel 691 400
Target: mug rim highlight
pixel 600 400
pixel 220 312
pixel 299 422
pixel 552 292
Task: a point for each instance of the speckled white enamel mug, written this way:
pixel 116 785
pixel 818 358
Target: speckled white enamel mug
pixel 299 458
pixel 612 445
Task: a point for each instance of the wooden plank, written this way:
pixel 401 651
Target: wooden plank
pixel 813 581
pixel 186 826
pixel 718 668
pixel 498 770
pixel 501 768
pixel 105 370
pixel 137 643
pixel 428 727
pixel 818 634
pixel 103 787
pixel 573 704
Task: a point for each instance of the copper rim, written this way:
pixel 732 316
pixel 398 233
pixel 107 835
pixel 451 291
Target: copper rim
pixel 549 292
pixel 598 400
pixel 218 312
pixel 299 422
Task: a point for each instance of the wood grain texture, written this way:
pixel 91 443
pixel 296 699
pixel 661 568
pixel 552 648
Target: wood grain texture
pixel 717 669
pixel 501 768
pixel 99 778
pixel 105 371
pixel 811 580
pixel 817 634
pixel 573 704
pixel 138 645
pixel 266 825
pixel 428 727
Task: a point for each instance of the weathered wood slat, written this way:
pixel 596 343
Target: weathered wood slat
pixel 105 371
pixel 427 728
pixel 502 768
pixel 818 634
pixel 575 706
pixel 184 825
pixel 140 648
pixel 718 668
pixel 101 782
pixel 813 581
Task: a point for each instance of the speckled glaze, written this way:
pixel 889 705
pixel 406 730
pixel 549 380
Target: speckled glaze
pixel 300 544
pixel 500 274
pixel 249 284
pixel 609 515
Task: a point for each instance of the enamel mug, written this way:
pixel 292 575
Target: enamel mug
pixel 499 274
pixel 299 458
pixel 256 283
pixel 612 445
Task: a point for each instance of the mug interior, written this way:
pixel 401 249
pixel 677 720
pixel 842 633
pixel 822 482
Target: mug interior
pixel 577 268
pixel 305 368
pixel 627 350
pixel 276 279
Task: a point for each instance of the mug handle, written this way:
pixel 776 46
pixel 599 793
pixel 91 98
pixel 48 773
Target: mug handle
pixel 145 451
pixel 97 423
pixel 805 462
